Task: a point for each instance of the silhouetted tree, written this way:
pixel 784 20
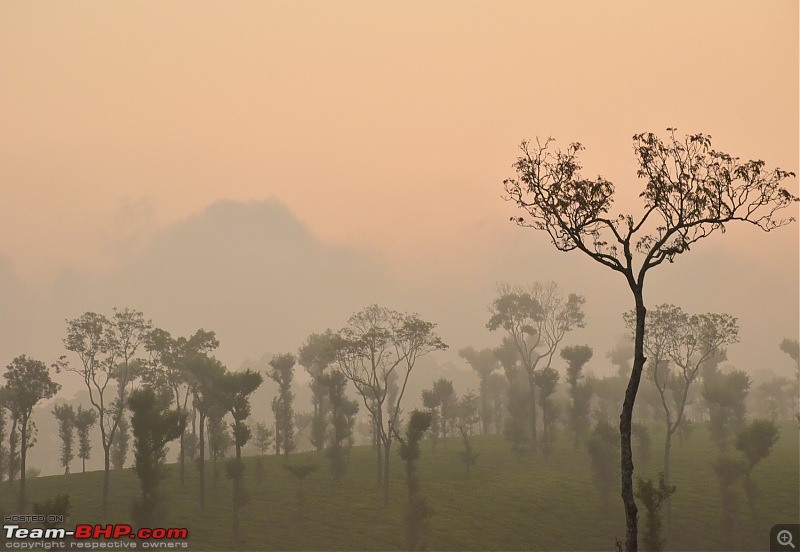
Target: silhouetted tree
pixel 728 471
pixel 154 425
pixel 606 392
pixel 580 393
pixel 621 356
pixel 546 380
pixel 418 511
pixel 484 362
pixel 688 342
pixel 282 372
pixel 84 420
pixel 235 389
pixel 107 350
pixel 219 439
pixel 653 497
pixel 536 320
pixel 206 373
pixel 725 394
pixel 172 365
pixel 691 191
pixel 603 448
pixel 431 401
pixel 446 399
pixel 300 472
pixel 264 437
pixel 28 382
pixel 343 413
pixel 792 348
pixel 755 441
pixel 776 397
pixel 375 343
pixel 515 428
pixel 65 415
pixel 119 450
pixel 315 355
pixel 467 417
pixel 12 454
pixel 497 388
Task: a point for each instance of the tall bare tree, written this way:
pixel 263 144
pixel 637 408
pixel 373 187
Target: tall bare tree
pixel 375 343
pixel 536 319
pixel 107 351
pixel 690 192
pixel 689 342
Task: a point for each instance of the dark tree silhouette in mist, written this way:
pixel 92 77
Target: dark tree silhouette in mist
pixel 418 511
pixel 484 362
pixel 690 192
pixel 535 319
pixel 580 392
pixel 107 350
pixel 65 415
pixel 84 420
pixel 154 425
pixel 375 344
pixel 28 382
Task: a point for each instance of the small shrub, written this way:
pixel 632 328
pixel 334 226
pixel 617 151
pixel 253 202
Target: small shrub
pixel 652 497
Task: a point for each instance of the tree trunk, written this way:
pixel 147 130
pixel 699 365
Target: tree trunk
pixel 182 455
pixel 387 446
pixel 667 449
pixel 625 423
pixel 12 452
pixel 202 462
pixel 484 407
pixel 378 425
pixel 23 454
pixel 533 410
pixel 237 482
pixel 106 475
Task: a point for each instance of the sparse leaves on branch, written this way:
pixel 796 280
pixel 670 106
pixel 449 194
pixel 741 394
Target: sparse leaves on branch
pixel 691 190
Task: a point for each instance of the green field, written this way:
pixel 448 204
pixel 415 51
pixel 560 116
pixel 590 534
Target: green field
pixel 509 502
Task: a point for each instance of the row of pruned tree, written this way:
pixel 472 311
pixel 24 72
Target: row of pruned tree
pixel 147 385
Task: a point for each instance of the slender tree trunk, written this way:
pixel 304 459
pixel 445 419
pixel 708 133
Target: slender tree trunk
pixel 667 449
pixel 533 411
pixel 387 446
pixel 12 452
pixel 378 425
pixel 484 407
pixel 749 491
pixel 182 455
pixel 106 474
pixel 237 483
pixel 23 454
pixel 625 423
pixel 202 462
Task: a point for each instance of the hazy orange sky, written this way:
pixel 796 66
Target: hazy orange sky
pixel 387 129
pixel 382 125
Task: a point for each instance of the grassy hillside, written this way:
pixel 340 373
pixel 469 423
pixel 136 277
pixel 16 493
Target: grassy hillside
pixel 508 503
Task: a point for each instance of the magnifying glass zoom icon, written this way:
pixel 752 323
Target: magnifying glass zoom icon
pixel 784 538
